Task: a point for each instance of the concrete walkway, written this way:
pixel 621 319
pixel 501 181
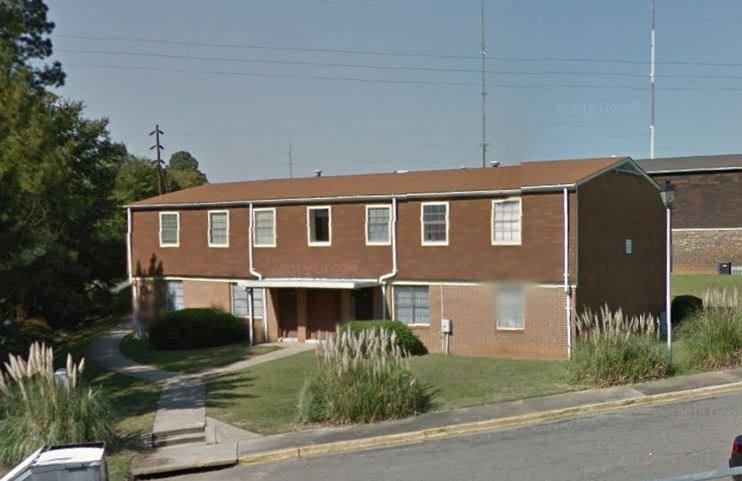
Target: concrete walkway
pixel 181 411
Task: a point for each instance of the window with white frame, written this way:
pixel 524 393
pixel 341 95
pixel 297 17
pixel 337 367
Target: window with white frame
pixel 218 228
pixel 511 307
pixel 264 227
pixel 169 229
pixel 241 301
pixel 506 222
pixel 412 304
pixel 174 293
pixel 319 226
pixel 434 222
pixel 378 222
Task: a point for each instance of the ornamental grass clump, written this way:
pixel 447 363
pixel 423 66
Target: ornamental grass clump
pixel 362 377
pixel 714 334
pixel 37 409
pixel 612 349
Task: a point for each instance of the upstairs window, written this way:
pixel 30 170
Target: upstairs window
pixel 169 229
pixel 264 227
pixel 506 222
pixel 174 293
pixel 412 304
pixel 434 222
pixel 319 226
pixel 241 302
pixel 378 231
pixel 218 228
pixel 510 308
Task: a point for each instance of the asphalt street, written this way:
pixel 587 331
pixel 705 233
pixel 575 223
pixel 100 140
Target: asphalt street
pixel 633 444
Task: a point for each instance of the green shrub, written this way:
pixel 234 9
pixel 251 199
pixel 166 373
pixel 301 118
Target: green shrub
pixel 196 328
pixel 362 377
pixel 38 410
pixel 405 338
pixel 613 349
pixel 684 307
pixel 714 334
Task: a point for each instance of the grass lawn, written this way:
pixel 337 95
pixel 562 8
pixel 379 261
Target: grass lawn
pixel 190 360
pixel 264 398
pixel 697 284
pixel 460 381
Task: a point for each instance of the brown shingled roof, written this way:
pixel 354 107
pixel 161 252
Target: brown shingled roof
pixel 527 174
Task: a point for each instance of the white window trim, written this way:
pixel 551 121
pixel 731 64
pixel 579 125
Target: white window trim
pixel 388 207
pixel 310 242
pixel 497 313
pixel 394 302
pixel 520 222
pixel 254 238
pixel 208 231
pixel 422 225
pixel 177 240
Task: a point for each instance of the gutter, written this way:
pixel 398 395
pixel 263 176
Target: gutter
pixel 138 334
pixel 358 198
pixel 389 275
pixel 567 293
pixel 255 273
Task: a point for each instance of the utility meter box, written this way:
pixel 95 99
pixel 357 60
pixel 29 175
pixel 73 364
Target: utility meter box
pixel 74 462
pixel 446 327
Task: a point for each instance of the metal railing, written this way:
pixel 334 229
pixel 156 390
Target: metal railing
pixel 719 474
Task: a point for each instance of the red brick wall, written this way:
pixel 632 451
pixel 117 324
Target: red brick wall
pixel 612 208
pixel 207 294
pixel 472 308
pixel 705 199
pixel 700 252
pixel 470 255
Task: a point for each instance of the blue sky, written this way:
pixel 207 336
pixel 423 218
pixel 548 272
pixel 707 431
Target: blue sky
pixel 569 79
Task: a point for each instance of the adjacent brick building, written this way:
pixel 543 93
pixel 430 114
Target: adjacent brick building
pixel 706 218
pixel 508 255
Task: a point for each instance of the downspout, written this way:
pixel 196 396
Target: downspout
pixel 567 294
pixel 250 313
pixel 389 275
pixel 130 275
pixel 254 273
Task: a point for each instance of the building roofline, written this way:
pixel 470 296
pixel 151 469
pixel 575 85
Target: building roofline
pixel 356 198
pixel 693 170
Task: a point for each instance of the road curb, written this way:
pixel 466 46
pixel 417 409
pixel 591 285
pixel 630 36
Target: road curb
pixel 316 450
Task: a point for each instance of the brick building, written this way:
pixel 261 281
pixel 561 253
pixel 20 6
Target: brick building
pixel 706 218
pixel 508 254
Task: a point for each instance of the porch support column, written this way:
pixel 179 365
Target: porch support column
pixel 301 314
pixel 346 306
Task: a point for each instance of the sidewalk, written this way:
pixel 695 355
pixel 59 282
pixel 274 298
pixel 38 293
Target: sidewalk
pixel 181 411
pixel 437 424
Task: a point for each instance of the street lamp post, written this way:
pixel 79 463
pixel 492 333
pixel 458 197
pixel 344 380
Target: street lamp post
pixel 667 192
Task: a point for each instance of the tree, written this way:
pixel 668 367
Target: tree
pixel 136 179
pixel 183 170
pixel 23 24
pixel 57 172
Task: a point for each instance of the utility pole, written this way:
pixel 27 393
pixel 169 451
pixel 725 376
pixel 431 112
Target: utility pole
pixel 291 158
pixel 158 165
pixel 483 52
pixel 652 55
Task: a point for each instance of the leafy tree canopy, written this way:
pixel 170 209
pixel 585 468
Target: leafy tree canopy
pixel 184 172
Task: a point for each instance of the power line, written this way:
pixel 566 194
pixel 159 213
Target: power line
pixel 397 54
pixel 408 82
pixel 359 79
pixel 412 69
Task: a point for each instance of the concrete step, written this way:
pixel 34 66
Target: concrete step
pixel 162 440
pixel 191 428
